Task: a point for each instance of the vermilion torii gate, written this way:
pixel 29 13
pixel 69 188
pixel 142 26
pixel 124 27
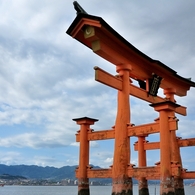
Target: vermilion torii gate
pixel 131 64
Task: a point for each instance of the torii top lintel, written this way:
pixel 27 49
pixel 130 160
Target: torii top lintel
pixel 96 34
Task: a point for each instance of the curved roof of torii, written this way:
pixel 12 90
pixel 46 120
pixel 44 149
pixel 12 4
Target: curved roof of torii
pixel 95 33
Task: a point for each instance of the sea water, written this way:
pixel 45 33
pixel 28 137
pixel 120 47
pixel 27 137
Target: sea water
pixel 72 190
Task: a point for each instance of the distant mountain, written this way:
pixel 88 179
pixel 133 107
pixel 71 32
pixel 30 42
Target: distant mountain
pixel 11 177
pixel 37 172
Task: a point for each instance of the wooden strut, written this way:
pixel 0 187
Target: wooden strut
pixel 156 145
pixel 139 130
pixel 150 172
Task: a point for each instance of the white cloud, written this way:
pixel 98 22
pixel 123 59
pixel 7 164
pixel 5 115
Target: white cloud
pixel 10 158
pixel 109 160
pixel 77 144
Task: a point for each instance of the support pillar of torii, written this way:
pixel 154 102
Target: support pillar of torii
pixel 83 180
pixel 142 162
pixel 175 150
pixel 166 180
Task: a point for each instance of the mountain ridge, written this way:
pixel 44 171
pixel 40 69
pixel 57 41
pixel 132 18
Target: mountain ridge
pixel 39 172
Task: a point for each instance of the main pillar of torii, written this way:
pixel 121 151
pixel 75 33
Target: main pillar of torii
pixel 122 183
pixel 130 63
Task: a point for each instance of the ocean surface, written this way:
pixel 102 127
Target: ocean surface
pixel 72 190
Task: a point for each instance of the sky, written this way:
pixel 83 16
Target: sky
pixel 47 77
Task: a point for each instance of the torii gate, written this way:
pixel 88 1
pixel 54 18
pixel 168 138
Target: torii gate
pixel 102 39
